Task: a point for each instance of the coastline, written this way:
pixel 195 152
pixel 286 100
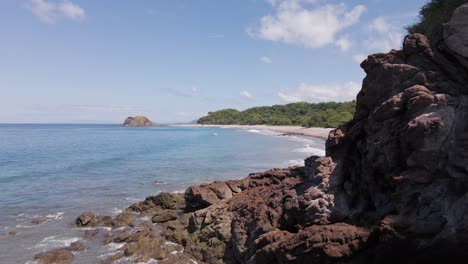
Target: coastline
pixel 318 132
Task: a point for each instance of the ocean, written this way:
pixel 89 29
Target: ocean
pixel 49 174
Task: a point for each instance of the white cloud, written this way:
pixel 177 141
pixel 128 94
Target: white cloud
pixel 313 27
pixel 344 43
pixel 321 93
pixel 359 57
pixel 246 94
pixel 51 12
pixel 383 36
pixel 266 59
pixel 195 89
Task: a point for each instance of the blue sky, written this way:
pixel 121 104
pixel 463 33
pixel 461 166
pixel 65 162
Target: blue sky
pixel 88 61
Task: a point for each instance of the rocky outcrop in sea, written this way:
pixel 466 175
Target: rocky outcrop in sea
pixel 391 189
pixel 138 121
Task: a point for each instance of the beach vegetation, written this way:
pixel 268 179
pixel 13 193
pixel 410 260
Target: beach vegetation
pixel 432 16
pixel 326 114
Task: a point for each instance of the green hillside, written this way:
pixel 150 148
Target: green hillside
pixel 330 114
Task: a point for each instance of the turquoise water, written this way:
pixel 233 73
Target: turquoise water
pixel 49 174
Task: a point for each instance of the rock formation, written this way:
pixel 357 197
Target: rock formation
pixel 392 188
pixel 141 121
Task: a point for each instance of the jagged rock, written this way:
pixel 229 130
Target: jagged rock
pixel 138 121
pixel 456 34
pixel 202 196
pixel 126 218
pixel 164 216
pixel 161 201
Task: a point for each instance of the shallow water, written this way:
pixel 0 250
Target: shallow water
pixel 49 174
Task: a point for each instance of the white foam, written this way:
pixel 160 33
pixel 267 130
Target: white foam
pixel 56 216
pixel 311 151
pixel 25 226
pixel 54 241
pixel 119 228
pixel 145 218
pixel 169 243
pixel 159 182
pixel 253 131
pixel 175 252
pixel 215 134
pixel 114 246
pixel 116 211
pixel 151 261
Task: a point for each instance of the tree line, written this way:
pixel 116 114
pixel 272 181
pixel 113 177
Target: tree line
pixel 329 114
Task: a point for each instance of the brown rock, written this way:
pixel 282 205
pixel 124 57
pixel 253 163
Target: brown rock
pixel 138 121
pixel 163 200
pixel 56 256
pixel 84 219
pixel 164 216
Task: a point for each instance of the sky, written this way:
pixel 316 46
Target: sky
pixel 89 61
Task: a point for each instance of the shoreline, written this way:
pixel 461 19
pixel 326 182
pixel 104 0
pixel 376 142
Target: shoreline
pixel 318 132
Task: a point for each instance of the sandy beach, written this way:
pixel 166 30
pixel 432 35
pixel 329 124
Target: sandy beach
pixel 292 130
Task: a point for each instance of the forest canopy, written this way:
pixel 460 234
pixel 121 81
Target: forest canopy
pixel 329 114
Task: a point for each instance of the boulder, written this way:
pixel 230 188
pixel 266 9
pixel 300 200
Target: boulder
pixel 84 219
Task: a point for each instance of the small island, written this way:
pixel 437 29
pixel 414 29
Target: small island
pixel 139 121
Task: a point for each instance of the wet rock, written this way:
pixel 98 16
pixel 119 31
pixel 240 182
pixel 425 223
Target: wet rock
pixel 164 216
pixel 127 218
pixel 56 256
pixel 38 221
pixel 84 219
pixel 77 246
pixel 90 233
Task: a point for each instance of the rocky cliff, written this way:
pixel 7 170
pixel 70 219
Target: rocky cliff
pixel 138 121
pixel 392 188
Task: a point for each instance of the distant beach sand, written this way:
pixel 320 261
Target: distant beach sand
pixel 293 130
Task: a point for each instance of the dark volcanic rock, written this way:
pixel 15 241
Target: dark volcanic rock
pixel 393 187
pixel 138 121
